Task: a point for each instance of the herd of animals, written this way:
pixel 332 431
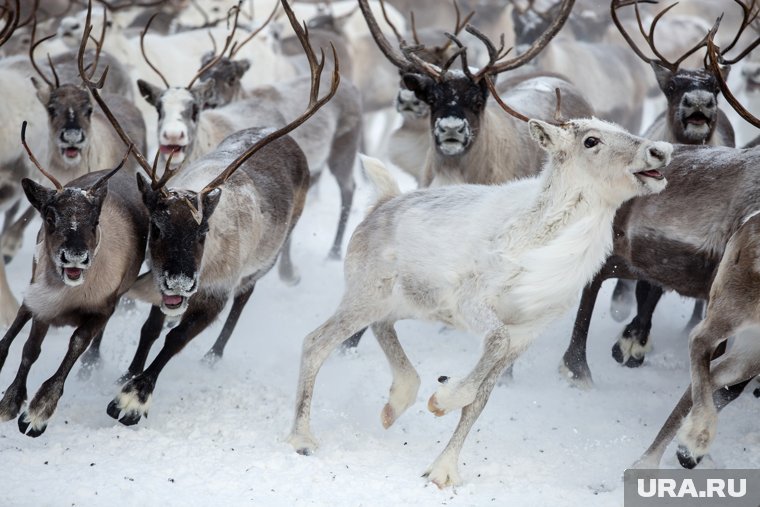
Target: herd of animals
pixel 519 120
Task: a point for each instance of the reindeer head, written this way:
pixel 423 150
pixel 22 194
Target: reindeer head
pixel 529 23
pixel 176 241
pixel 179 110
pixel 692 102
pixel 692 94
pixel 226 77
pixel 613 160
pixel 457 99
pixel 69 110
pixel 70 219
pixel 409 105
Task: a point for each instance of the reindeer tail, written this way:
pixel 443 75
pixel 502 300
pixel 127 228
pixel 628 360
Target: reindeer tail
pixel 386 186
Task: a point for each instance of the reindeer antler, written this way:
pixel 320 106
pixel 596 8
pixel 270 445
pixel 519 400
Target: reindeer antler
pixel 94 88
pixel 227 43
pixel 13 21
pixel 749 15
pixel 713 57
pixel 649 35
pixel 236 48
pixel 315 103
pixel 34 160
pixel 142 49
pixel 32 47
pixel 413 63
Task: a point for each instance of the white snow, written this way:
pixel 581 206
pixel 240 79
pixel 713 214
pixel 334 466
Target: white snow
pixel 214 435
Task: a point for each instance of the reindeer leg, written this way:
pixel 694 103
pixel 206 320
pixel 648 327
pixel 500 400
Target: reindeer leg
pixel 22 317
pixel 452 395
pixel 622 299
pixel 134 399
pixel 317 346
pixel 34 420
pixel 217 350
pixel 11 240
pixel 406 381
pixel 341 164
pixel 90 359
pixel 444 470
pixel 633 344
pixel 574 366
pixel 149 333
pixel 696 316
pixel 287 272
pixel 15 395
pixel 698 429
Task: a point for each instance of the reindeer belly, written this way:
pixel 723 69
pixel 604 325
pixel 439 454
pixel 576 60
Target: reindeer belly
pixel 674 265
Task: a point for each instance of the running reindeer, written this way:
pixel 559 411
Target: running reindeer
pixel 677 239
pixel 472 140
pixel 330 139
pixel 215 233
pixel 91 246
pixel 523 250
pixel 692 117
pixel 733 308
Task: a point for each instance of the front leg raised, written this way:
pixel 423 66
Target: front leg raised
pixel 34 420
pixel 15 395
pixel 133 402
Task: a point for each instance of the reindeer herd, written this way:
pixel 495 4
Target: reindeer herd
pixel 523 127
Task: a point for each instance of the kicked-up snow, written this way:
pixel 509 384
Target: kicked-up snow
pixel 215 434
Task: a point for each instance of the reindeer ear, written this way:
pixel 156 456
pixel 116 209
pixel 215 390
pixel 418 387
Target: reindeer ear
pixel 210 200
pixel 546 135
pixel 148 194
pixel 149 92
pixel 204 90
pixel 241 67
pixel 663 75
pixel 37 195
pixel 43 91
pixel 420 85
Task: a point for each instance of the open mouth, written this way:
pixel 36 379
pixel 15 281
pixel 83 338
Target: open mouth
pixel 73 274
pixel 696 119
pixel 173 301
pixel 650 173
pixel 70 152
pixel 168 149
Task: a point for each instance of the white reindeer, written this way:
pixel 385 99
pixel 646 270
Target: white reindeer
pixel 501 260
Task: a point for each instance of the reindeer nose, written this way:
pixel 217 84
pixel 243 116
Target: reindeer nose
pixel 656 153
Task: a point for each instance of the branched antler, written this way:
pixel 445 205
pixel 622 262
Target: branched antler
pixel 713 59
pixel 227 43
pixel 145 56
pixel 32 47
pixel 34 160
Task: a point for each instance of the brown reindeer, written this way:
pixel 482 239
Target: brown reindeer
pixel 91 246
pixel 216 232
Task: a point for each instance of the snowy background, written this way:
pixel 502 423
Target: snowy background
pixel 215 435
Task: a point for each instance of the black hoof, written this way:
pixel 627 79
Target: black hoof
pixel 304 451
pixel 634 362
pixel 130 419
pixel 7 259
pixel 617 353
pixel 686 459
pixel 443 379
pixel 756 392
pixel 113 409
pixel 23 426
pixel 211 358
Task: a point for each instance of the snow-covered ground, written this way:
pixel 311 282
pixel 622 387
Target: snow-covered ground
pixel 215 435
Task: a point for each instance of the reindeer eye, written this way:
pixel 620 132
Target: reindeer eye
pixel 194 114
pixel 50 219
pixel 590 142
pixel 160 110
pixel 89 111
pixel 51 111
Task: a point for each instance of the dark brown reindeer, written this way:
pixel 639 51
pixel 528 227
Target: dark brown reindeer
pixel 472 140
pixel 216 232
pixel 692 117
pixel 676 240
pixel 733 310
pixel 91 246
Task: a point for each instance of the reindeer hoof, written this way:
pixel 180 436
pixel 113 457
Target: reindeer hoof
pixel 113 409
pixel 130 418
pixel 434 408
pixel 617 353
pixel 686 459
pixel 756 392
pixel 388 416
pixel 7 259
pixel 211 358
pixel 634 362
pixel 25 426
